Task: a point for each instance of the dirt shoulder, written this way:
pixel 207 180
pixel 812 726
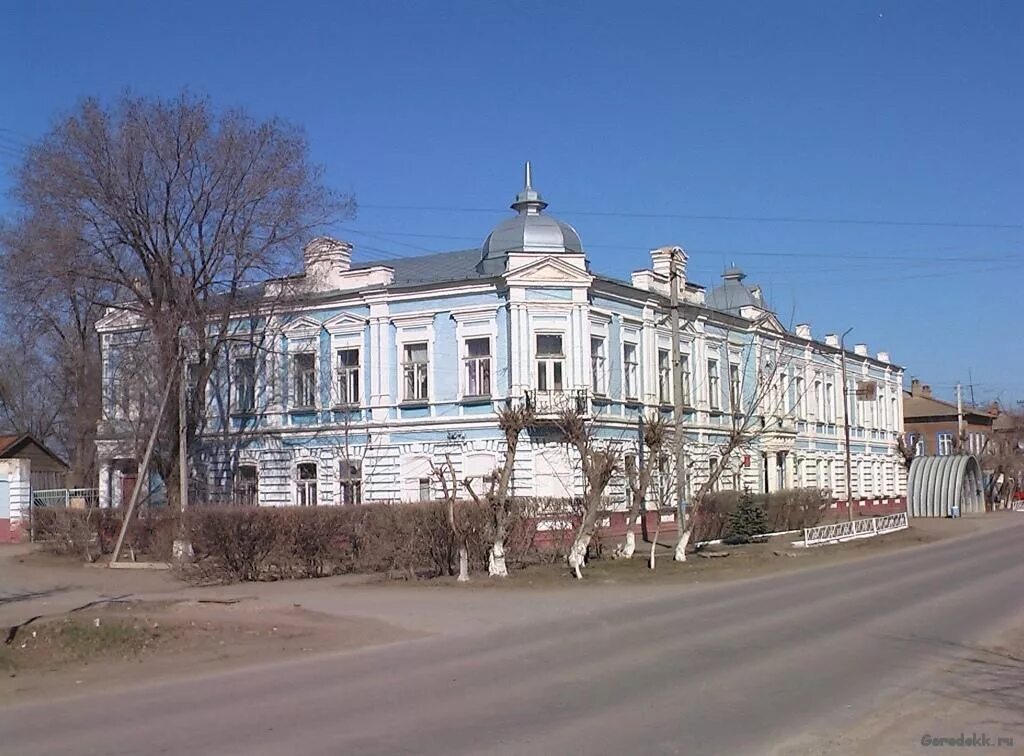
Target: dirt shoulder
pixel 122 643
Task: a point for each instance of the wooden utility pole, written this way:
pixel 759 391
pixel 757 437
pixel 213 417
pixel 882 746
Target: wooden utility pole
pixel 959 417
pixel 143 474
pixel 182 547
pixel 846 424
pixel 677 389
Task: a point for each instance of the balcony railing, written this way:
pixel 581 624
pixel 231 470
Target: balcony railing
pixel 551 403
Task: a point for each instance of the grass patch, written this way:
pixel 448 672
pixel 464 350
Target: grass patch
pixel 78 639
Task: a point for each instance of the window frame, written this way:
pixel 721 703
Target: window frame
pixel 664 375
pixel 307 488
pixel 477 364
pixel 549 365
pixel 417 376
pixel 599 365
pixel 631 371
pixel 349 375
pixel 237 404
pixel 249 494
pixel 350 482
pixel 294 357
pixel 714 385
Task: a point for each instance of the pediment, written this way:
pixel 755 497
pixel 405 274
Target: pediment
pixel 770 322
pixel 549 270
pixel 303 327
pixel 345 322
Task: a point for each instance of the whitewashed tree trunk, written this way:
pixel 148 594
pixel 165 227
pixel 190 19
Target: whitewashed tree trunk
pixel 578 554
pixel 684 541
pixel 463 564
pixel 496 560
pixel 628 548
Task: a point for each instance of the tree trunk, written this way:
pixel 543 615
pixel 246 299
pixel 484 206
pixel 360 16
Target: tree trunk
pixel 463 563
pixel 684 541
pixel 627 548
pixel 496 559
pixel 578 554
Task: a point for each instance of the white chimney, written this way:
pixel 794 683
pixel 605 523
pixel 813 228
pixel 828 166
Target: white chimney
pixel 883 357
pixel 803 331
pixel 324 259
pixel 860 350
pixel 661 262
pixel 832 340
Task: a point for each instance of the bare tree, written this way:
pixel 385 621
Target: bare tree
pixel 639 476
pixel 750 417
pixel 444 474
pixel 512 421
pixel 598 463
pixel 181 210
pixel 52 385
pixel 906 449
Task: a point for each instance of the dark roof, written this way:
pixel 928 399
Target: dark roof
pixel 11 445
pixel 440 267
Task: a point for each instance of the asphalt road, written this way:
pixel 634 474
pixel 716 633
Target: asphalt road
pixel 731 668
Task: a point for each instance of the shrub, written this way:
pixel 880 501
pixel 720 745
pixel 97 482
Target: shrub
pixel 93 532
pixel 747 521
pixel 239 541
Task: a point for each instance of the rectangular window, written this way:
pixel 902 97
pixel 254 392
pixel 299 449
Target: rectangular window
pixel 414 369
pixel 598 365
pixel 798 399
pixel 819 402
pixel 735 397
pixel 246 485
pixel 304 367
pixel 245 384
pixel 351 480
pixel 945 443
pixel 664 376
pixel 714 385
pixel 478 367
pixel 830 406
pixel 550 363
pixel 684 367
pixel 348 377
pixel 630 368
pixel 305 484
pixel 712 470
pixel 424 489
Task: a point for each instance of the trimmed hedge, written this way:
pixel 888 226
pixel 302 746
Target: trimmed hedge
pixel 789 509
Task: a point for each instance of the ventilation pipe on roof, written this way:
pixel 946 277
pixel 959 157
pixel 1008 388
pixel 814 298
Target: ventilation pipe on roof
pixel 803 331
pixel 860 350
pixel 832 340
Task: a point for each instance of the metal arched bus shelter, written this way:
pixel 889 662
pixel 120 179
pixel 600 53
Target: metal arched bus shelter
pixel 935 485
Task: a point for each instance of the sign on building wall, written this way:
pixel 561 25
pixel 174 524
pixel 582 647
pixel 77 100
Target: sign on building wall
pixel 867 391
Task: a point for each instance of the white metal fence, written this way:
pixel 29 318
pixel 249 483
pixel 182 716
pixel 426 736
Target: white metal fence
pixel 66 498
pixel 849 530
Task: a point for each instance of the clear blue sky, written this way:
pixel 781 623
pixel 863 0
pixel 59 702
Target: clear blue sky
pixel 890 110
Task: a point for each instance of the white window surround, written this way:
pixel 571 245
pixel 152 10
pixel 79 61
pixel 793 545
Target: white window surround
pixel 550 369
pixel 414 469
pixel 630 369
pixel 474 323
pixel 347 331
pixel 413 329
pixel 599 365
pixel 306 489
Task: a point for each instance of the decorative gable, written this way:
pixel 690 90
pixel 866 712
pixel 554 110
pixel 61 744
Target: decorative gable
pixel 302 328
pixel 345 324
pixel 549 271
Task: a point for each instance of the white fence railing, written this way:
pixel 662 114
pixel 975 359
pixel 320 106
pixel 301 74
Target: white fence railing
pixel 847 531
pixel 1018 506
pixel 66 498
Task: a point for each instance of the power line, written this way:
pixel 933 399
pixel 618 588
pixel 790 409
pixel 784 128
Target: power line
pixel 838 255
pixel 699 217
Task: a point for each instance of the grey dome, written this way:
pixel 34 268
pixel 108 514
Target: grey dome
pixel 731 294
pixel 528 231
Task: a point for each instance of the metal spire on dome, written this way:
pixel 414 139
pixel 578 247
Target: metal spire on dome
pixel 528 201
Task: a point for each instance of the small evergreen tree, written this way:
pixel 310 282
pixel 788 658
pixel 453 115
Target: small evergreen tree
pixel 747 521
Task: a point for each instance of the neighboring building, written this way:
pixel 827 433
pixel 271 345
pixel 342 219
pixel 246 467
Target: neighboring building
pixel 932 425
pixel 363 374
pixel 25 465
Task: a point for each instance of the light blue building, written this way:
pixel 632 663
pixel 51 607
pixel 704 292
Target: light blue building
pixel 350 379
